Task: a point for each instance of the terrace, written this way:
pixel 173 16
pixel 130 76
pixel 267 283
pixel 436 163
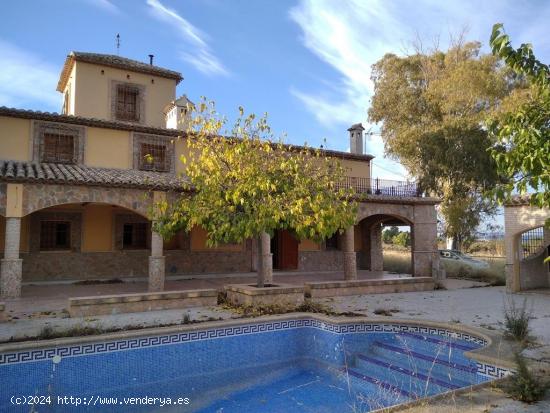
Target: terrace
pixel 383 187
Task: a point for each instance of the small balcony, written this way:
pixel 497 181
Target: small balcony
pixel 383 187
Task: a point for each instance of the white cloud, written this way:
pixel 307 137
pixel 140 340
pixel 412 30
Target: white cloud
pixel 201 56
pixel 106 5
pixel 27 79
pixel 351 36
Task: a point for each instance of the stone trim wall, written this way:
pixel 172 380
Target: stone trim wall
pixel 39 128
pixel 323 260
pixel 167 141
pixel 40 196
pixel 141 101
pixel 75 218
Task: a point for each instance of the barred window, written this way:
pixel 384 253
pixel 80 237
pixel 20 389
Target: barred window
pixel 153 157
pixel 135 235
pixel 58 148
pixel 332 242
pixel 127 103
pixel 55 235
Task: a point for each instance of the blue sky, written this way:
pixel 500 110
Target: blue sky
pixel 305 62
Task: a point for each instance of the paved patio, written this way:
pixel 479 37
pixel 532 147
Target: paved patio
pixel 50 297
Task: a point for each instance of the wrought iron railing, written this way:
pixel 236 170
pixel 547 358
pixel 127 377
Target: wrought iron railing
pixel 382 187
pixel 532 242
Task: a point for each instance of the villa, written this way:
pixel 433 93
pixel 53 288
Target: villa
pixel 76 189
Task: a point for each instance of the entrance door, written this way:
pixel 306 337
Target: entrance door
pixel 287 251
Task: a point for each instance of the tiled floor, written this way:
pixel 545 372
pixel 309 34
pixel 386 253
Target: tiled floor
pixel 45 297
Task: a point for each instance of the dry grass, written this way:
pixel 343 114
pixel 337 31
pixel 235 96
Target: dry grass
pixel 397 260
pixel 493 275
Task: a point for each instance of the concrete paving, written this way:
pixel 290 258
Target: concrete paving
pixel 480 307
pixel 466 302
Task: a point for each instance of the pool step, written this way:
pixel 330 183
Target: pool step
pixel 419 382
pixel 432 365
pixel 381 391
pixel 447 342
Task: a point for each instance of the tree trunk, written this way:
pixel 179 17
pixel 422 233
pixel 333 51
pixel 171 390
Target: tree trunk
pixel 265 260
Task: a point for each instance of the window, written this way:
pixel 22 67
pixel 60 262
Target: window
pixel 135 236
pixel 153 157
pixel 58 148
pixel 127 103
pixel 55 235
pixel 332 242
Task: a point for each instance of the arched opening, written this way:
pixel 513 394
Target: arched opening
pixel 533 247
pixel 386 244
pixel 87 240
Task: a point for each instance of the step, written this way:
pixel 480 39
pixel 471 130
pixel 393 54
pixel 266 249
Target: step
pixel 441 341
pixel 368 389
pixel 381 384
pixel 430 365
pixel 422 382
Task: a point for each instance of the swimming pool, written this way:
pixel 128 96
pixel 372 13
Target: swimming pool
pixel 303 364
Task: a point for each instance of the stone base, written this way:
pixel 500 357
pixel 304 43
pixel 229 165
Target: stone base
pixel 3 315
pixel 10 277
pixel 350 265
pixel 359 287
pixel 280 294
pixel 135 303
pixel 156 274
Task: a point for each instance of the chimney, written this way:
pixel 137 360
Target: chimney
pixel 151 59
pixel 356 138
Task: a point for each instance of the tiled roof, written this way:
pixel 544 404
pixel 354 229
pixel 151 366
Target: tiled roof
pixel 116 62
pixel 108 124
pixel 356 126
pixel 52 173
pixel 79 120
pixel 518 200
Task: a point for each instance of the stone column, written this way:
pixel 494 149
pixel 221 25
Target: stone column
pixel 156 263
pixel 424 242
pixel 11 267
pixel 350 259
pixel 376 253
pixel 265 260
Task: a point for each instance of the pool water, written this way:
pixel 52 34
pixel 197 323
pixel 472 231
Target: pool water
pixel 306 368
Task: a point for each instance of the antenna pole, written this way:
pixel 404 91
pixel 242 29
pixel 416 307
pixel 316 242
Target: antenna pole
pixel 118 44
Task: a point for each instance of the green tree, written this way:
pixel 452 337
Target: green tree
pixel 402 239
pixel 432 107
pixel 245 185
pixel 389 233
pixel 522 133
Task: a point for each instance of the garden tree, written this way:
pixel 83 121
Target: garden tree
pixel 432 107
pixel 243 184
pixel 389 233
pixel 522 133
pixel 402 239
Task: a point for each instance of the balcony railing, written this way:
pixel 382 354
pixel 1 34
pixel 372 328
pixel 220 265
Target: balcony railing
pixel 382 187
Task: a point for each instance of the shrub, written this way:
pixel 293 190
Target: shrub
pixel 516 319
pixel 523 385
pixel 403 239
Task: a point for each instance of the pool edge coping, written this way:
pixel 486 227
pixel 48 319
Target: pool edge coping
pixel 497 351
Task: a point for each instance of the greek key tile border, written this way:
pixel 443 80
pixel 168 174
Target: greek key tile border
pixel 253 328
pixel 493 372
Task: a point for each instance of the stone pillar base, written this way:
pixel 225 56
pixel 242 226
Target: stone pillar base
pixel 11 270
pixel 350 266
pixel 156 274
pixel 267 269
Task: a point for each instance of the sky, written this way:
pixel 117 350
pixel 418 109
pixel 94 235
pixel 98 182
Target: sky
pixel 307 63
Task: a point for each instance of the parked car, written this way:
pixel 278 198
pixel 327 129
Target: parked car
pixel 457 257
